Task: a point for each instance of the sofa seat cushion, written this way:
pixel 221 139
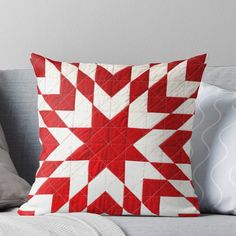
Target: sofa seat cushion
pixel 204 225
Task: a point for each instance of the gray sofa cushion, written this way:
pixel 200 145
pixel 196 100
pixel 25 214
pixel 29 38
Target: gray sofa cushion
pixel 18 116
pixel 13 189
pixel 208 225
pixel 221 76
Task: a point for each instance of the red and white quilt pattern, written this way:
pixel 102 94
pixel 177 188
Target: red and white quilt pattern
pixel 115 139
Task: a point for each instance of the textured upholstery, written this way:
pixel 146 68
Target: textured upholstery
pixel 206 225
pixel 213 149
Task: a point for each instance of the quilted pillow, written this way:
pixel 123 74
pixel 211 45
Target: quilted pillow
pixel 115 138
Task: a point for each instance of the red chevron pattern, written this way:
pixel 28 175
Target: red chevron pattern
pixel 115 139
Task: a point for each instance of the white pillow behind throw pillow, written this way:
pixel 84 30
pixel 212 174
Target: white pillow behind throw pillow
pixel 13 189
pixel 214 149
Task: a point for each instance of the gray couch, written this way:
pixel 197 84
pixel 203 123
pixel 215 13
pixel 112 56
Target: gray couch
pixel 18 116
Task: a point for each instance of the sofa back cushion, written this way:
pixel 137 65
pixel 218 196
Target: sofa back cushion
pixel 13 189
pixel 18 116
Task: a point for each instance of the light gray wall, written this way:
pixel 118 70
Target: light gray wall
pixel 117 31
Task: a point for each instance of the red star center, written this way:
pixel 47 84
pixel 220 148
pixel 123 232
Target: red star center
pixel 108 144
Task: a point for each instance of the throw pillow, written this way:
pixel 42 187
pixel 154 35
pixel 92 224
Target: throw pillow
pixel 115 138
pixel 213 144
